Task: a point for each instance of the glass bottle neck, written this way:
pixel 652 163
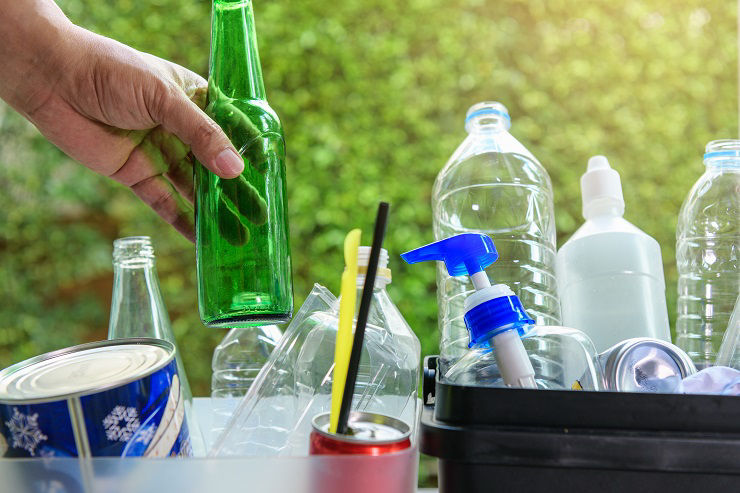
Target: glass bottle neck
pixel 235 68
pixel 137 308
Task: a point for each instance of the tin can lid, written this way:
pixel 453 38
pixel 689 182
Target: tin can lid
pixel 646 365
pixel 370 428
pixel 83 369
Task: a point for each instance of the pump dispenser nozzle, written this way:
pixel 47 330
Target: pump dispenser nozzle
pixel 491 311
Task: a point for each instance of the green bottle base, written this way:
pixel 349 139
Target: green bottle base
pixel 249 320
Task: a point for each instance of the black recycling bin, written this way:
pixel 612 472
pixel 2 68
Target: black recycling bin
pixel 519 440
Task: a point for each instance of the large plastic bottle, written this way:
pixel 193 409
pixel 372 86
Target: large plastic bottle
pixel 507 348
pixel 493 185
pixel 274 418
pixel 236 362
pixel 610 273
pixel 708 254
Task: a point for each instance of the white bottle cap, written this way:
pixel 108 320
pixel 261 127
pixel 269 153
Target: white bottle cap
pixel 601 189
pixel 383 274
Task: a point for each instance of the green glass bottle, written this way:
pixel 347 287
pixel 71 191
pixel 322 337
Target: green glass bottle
pixel 242 244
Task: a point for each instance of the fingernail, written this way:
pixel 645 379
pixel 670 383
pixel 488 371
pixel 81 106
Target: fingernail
pixel 229 163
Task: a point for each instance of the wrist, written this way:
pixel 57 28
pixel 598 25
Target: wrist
pixel 37 50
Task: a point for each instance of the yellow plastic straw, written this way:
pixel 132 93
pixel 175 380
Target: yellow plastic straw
pixel 343 347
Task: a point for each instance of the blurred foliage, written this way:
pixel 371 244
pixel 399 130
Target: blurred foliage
pixel 373 95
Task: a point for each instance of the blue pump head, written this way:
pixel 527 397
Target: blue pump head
pixel 462 254
pixel 491 310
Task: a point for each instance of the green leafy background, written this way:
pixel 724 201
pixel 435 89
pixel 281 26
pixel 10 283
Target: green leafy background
pixel 373 95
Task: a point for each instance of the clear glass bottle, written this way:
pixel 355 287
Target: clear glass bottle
pixel 507 348
pixel 236 362
pixel 295 385
pixel 492 184
pixel 708 254
pixel 138 310
pixel 242 237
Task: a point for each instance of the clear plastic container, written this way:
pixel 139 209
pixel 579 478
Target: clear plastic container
pixel 274 418
pixel 562 358
pixel 493 185
pixel 310 474
pixel 708 254
pixel 610 273
pixel 236 362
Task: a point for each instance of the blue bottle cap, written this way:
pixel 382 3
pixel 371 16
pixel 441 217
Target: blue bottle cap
pixel 495 316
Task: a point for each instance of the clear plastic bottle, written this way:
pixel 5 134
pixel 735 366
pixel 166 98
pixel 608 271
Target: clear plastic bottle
pixel 274 418
pixel 236 362
pixel 507 348
pixel 138 310
pixel 708 254
pixel 492 184
pixel 610 273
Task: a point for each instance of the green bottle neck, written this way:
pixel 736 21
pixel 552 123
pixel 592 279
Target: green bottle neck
pixel 235 68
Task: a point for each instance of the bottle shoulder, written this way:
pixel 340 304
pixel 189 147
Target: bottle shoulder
pixel 712 207
pixel 606 225
pixel 493 159
pixel 245 114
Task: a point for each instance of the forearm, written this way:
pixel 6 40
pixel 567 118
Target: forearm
pixel 35 51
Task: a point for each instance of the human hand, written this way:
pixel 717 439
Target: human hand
pixel 122 113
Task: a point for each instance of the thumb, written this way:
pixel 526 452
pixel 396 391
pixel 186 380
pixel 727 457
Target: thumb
pixel 210 145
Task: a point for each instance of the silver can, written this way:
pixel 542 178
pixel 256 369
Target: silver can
pixel 645 365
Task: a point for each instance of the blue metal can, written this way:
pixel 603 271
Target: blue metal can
pixel 110 398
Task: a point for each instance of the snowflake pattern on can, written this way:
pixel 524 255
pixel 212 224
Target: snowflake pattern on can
pixel 25 432
pixel 145 435
pixel 121 423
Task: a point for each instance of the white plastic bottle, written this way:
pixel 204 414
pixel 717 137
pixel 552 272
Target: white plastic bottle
pixel 493 185
pixel 610 273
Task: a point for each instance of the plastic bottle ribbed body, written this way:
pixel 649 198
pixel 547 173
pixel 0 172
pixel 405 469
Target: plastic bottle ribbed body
pixel 707 252
pixel 493 185
pixel 236 362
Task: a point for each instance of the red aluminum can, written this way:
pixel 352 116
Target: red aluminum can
pixel 370 434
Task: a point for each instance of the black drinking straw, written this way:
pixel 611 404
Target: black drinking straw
pixel 367 298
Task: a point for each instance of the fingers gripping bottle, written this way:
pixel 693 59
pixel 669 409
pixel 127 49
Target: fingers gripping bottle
pixel 507 348
pixel 708 254
pixel 242 249
pixel 492 184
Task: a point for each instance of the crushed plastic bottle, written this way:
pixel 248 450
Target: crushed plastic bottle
pixel 236 362
pixel 492 184
pixel 610 273
pixel 507 348
pixel 274 418
pixel 708 254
